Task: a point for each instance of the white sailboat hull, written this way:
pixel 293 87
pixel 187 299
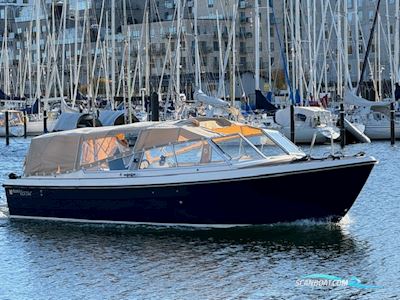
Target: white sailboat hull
pixel 381 132
pixel 34 128
pixel 304 135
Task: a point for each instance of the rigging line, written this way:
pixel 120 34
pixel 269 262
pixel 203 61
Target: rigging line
pixel 371 37
pixel 282 55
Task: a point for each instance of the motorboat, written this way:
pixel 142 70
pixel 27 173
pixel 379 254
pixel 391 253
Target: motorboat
pixel 15 122
pixel 196 172
pixel 309 121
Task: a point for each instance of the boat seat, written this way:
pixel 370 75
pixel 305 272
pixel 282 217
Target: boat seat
pixel 116 164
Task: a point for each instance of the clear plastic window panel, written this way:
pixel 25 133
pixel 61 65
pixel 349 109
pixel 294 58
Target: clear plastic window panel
pixel 237 148
pixel 196 153
pixel 180 155
pixel 285 143
pixel 265 145
pixel 108 153
pixel 161 157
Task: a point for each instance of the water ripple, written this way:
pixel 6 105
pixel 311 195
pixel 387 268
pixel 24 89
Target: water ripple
pixel 48 260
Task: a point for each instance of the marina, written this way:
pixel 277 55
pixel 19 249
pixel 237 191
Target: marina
pixel 75 260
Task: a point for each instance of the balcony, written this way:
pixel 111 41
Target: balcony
pixel 249 35
pixel 172 35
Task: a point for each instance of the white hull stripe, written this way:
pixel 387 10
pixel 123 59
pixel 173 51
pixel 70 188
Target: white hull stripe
pixel 127 223
pixel 103 186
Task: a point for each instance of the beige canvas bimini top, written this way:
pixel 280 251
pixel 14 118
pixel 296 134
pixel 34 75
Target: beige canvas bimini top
pixel 61 152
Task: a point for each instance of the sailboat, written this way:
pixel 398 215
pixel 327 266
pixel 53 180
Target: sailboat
pixel 374 115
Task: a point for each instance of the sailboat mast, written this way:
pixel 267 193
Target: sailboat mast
pixel 299 52
pixel 291 47
pixel 396 42
pixel 196 47
pixel 178 51
pixel 339 46
pixel 346 44
pixel 76 79
pixel 5 57
pixel 147 49
pixel 390 50
pixel 379 65
pixel 112 53
pixel 221 84
pixel 269 47
pixel 38 53
pixel 128 68
pixel 233 83
pixel 64 14
pixel 371 37
pixel 257 44
pixel 311 83
pixel 357 37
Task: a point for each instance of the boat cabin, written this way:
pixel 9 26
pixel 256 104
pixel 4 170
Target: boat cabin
pixel 305 116
pixel 197 142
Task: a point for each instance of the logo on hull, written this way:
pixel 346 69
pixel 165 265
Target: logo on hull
pixel 21 193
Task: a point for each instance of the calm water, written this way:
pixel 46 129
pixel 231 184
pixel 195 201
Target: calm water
pixel 49 260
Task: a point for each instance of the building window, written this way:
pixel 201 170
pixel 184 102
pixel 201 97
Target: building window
pixel 349 3
pixel 360 16
pixel 216 46
pixel 350 17
pixel 243 62
pixel 371 15
pixel 210 3
pixel 169 4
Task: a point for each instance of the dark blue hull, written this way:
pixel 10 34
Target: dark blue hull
pixel 318 194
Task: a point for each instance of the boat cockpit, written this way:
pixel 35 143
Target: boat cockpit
pixel 155 146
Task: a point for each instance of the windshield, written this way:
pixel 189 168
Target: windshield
pixel 265 145
pixel 284 143
pixel 237 148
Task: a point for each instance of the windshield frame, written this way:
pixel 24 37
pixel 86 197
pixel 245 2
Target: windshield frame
pixel 284 143
pixel 263 156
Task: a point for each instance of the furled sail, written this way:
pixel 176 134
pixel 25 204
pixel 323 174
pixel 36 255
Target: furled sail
pixel 351 98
